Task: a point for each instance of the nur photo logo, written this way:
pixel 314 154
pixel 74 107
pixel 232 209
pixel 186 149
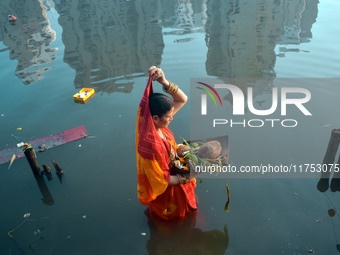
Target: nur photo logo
pixel 204 97
pixel 282 100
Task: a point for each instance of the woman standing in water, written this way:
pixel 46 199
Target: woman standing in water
pixel 168 196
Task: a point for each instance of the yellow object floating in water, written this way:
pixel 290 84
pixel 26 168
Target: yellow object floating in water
pixel 84 95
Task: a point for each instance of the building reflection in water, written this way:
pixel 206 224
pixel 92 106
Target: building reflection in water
pixel 29 40
pixel 241 37
pixel 108 43
pixel 185 17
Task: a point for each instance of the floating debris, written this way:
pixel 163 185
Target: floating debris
pixel 319 220
pixel 19 129
pixel 68 237
pixel 84 216
pixel 37 231
pixel 331 212
pixel 42 148
pixel 12 159
pixel 50 141
pixel 143 234
pixel 226 207
pixel 184 40
pixel 84 95
pixel 26 215
pixel 11 17
pixel 295 194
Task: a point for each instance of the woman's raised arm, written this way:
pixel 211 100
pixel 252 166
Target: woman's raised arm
pixel 177 94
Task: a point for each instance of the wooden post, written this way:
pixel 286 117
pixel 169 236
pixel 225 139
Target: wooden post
pixel 47 171
pixel 335 183
pixel 332 148
pixel 32 159
pixel 58 171
pixel 328 160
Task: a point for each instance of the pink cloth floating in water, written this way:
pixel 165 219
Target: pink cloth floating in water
pixel 49 142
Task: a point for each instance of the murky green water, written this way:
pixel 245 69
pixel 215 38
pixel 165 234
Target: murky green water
pixel 57 47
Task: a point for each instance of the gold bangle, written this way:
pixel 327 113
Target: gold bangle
pixel 186 179
pixel 168 89
pixel 176 89
pixel 172 89
pixel 179 178
pixel 183 179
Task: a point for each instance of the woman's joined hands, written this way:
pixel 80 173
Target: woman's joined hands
pixel 158 75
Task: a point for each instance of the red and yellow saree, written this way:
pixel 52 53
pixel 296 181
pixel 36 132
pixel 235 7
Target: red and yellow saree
pixel 153 168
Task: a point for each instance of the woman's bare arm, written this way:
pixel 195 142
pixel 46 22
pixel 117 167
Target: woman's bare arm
pixel 173 180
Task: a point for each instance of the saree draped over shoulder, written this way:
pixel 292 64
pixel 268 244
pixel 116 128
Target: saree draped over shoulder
pixel 153 168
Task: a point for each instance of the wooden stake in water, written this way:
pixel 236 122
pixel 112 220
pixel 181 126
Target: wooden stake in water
pixel 58 170
pixel 47 171
pixel 32 159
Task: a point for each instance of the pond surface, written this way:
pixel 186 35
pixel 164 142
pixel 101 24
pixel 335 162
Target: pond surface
pixel 55 48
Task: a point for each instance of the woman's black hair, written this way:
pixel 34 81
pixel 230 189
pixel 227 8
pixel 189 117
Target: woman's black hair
pixel 160 104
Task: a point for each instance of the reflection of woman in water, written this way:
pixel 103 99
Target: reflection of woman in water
pixel 182 237
pixel 168 196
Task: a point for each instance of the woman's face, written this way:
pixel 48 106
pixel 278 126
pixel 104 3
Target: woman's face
pixel 164 121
